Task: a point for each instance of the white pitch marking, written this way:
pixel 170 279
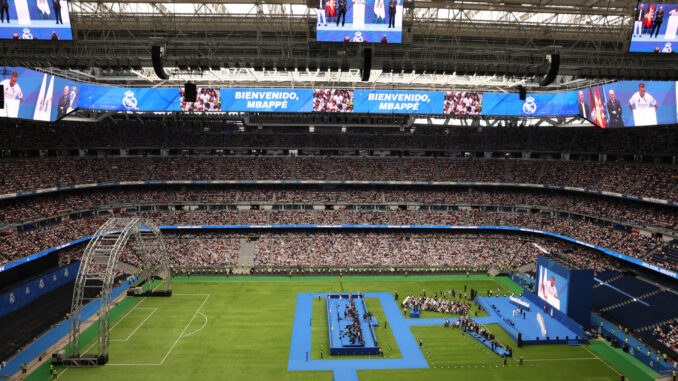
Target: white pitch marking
pixel 199 329
pixel 153 310
pixel 601 360
pixel 185 328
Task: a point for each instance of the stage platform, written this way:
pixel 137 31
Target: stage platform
pixel 528 326
pixel 338 320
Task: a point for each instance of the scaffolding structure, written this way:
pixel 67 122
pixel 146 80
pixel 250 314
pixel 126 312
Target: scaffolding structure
pixel 121 246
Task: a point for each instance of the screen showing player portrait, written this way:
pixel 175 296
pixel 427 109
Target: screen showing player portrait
pixel 654 28
pixel 552 288
pixel 35 20
pixel 331 100
pixel 376 21
pixel 37 96
pixel 629 104
pixel 208 99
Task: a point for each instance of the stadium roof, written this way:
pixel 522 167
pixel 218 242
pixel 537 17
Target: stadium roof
pixel 483 45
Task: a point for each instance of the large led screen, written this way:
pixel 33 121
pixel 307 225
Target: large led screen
pixel 35 20
pixel 38 96
pixel 397 102
pixel 331 100
pixel 552 287
pixel 207 99
pixel 546 104
pixel 629 104
pixel 267 100
pixel 654 28
pixel 377 21
pixel 129 99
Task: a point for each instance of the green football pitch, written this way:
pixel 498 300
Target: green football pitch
pixel 241 329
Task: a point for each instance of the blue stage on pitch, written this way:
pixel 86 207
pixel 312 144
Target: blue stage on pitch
pixel 338 321
pixel 528 327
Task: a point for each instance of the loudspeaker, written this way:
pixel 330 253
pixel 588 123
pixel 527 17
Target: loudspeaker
pixel 553 71
pixel 522 92
pixel 367 64
pixel 520 339
pixel 2 99
pixel 190 92
pixel 156 55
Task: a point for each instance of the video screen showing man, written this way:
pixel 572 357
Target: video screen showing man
pixel 643 107
pixel 584 107
pixel 325 100
pixel 655 26
pixel 614 109
pixel 548 288
pixel 64 103
pixel 374 21
pixel 13 96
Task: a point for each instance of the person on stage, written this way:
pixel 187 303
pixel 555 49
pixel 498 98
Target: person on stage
pixel 638 21
pixel 379 11
pixel 584 108
pixel 643 102
pixel 73 97
pixel 392 4
pixel 56 4
pixel 614 108
pixel 341 11
pixel 13 96
pixel 657 22
pixel 320 12
pixel 4 10
pixel 63 104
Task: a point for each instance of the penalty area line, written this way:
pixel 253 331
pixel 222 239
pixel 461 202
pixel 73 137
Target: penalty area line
pixel 185 328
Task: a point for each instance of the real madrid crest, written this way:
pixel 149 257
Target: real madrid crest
pixel 41 284
pixel 66 272
pixel 529 107
pixel 358 37
pixel 27 34
pixel 11 298
pixel 28 290
pixel 130 101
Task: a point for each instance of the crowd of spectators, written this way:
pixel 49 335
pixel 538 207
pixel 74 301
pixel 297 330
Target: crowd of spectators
pixel 636 179
pixel 439 304
pixel 462 103
pixel 65 216
pixel 333 100
pixel 667 334
pixel 202 250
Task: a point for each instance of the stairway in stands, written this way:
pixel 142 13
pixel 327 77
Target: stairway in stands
pixel 245 255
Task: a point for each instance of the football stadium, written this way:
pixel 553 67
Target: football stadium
pixel 338 190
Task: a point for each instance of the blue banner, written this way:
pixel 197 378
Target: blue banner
pixel 26 293
pixel 398 102
pixel 129 99
pixel 267 100
pixel 552 104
